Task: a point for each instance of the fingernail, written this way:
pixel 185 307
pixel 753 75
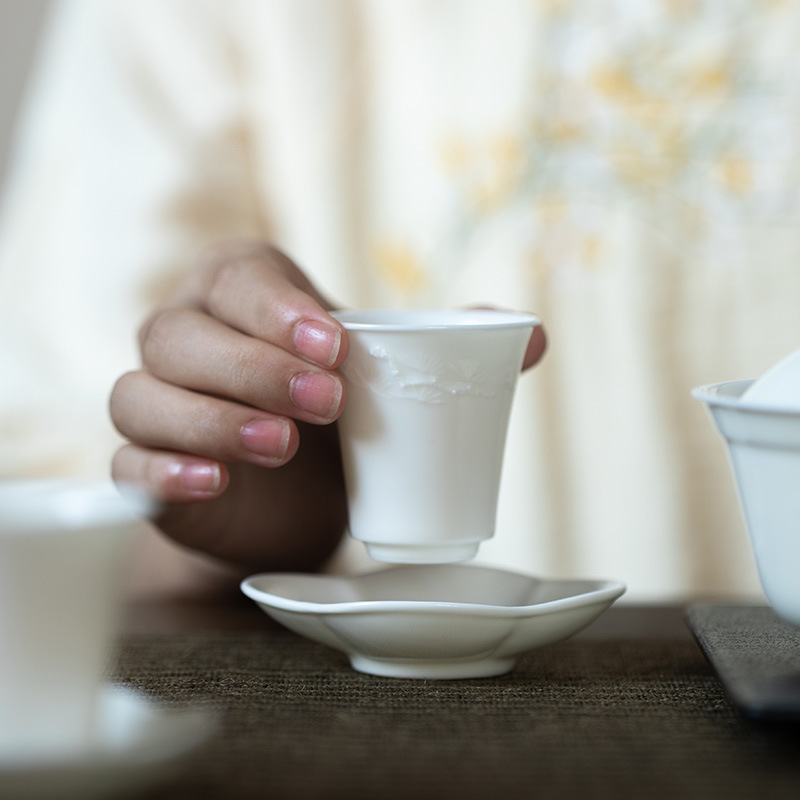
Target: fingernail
pixel 316 393
pixel 266 437
pixel 318 342
pixel 203 478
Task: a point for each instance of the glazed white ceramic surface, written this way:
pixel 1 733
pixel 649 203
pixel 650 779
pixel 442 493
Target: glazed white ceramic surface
pixel 432 621
pixel 778 387
pixel 764 450
pixel 62 549
pixel 132 744
pixel 424 427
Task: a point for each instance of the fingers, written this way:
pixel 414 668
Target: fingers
pixel 262 293
pixel 537 345
pixel 159 415
pixel 244 349
pixel 169 477
pixel 190 349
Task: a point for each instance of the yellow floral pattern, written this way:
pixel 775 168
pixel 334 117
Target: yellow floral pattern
pixel 400 267
pixel 679 111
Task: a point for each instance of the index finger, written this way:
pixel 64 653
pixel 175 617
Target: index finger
pixel 260 292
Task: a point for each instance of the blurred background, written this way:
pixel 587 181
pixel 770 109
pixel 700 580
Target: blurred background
pixel 22 22
pixel 628 170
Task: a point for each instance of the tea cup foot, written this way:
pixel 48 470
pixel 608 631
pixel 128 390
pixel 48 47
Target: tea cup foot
pixel 422 554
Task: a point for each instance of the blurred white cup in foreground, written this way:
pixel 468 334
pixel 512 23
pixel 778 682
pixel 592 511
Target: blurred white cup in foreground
pixel 423 431
pixel 764 449
pixel 62 549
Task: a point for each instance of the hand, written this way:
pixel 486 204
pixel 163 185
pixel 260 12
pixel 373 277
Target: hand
pixel 236 368
pixel 537 344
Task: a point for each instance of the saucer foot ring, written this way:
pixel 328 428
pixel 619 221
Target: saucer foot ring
pixel 432 670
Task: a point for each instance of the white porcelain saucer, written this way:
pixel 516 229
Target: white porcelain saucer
pixel 432 621
pixel 135 744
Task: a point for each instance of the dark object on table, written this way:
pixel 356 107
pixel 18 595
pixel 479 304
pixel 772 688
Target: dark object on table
pixel 755 654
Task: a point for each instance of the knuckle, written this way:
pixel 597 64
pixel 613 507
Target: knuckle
pixel 222 278
pixel 119 464
pixel 153 331
pixel 247 369
pixel 159 334
pixel 232 250
pixel 213 254
pixel 281 263
pixel 227 261
pixel 121 390
pixel 208 433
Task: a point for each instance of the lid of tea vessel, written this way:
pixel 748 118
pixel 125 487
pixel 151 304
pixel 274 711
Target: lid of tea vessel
pixel 779 386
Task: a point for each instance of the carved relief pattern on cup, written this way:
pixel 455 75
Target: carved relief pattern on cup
pixel 430 379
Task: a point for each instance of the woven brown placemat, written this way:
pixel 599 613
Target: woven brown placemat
pixel 755 654
pixel 595 719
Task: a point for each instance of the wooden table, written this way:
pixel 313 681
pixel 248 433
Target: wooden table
pixel 629 708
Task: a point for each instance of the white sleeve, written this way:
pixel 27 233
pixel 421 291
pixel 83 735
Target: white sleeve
pixel 130 156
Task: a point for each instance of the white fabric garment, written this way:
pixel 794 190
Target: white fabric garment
pixel 628 170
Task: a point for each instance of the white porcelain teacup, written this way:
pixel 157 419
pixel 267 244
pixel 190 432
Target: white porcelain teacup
pixel 62 548
pixel 764 448
pixel 423 431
